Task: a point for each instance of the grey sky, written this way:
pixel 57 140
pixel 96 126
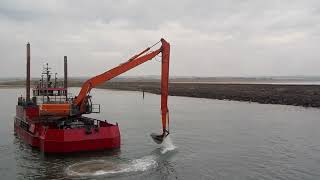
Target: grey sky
pixel 208 38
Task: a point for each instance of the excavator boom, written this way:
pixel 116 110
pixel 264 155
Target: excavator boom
pixel 106 76
pixel 81 100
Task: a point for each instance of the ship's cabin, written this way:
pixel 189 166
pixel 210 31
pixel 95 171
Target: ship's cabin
pixel 48 91
pixel 50 95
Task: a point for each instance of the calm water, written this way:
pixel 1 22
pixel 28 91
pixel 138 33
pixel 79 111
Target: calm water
pixel 210 140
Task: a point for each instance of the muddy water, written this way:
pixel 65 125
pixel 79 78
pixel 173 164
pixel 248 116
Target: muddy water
pixel 210 140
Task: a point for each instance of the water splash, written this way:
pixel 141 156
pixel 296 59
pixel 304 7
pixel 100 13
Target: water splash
pixel 111 167
pixel 167 145
pixel 103 167
pixel 142 164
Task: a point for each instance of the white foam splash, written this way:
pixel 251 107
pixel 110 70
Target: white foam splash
pixel 104 167
pixel 141 164
pixel 167 145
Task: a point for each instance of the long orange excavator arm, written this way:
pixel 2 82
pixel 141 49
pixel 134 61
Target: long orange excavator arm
pixel 136 60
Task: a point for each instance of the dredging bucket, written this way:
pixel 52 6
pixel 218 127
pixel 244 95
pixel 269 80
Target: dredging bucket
pixel 158 138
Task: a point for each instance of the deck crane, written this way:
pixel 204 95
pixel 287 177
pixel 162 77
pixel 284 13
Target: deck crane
pixel 82 101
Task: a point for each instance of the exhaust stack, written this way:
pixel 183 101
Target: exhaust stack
pixel 65 83
pixel 28 74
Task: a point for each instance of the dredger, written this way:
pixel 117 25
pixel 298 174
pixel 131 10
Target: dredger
pixel 55 122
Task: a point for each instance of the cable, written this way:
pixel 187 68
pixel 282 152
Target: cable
pixel 154 44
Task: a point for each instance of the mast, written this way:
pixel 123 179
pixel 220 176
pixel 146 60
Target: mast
pixel 65 83
pixel 28 74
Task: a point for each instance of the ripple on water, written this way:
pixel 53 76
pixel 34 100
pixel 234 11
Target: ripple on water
pixel 102 167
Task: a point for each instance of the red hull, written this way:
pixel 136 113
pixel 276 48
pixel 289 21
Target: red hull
pixel 69 140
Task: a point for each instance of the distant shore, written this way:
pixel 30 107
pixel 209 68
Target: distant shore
pixel 297 95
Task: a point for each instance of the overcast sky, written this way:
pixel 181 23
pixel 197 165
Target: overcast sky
pixel 208 38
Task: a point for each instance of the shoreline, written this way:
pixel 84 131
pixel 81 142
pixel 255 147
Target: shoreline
pixel 285 94
pixel 296 95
